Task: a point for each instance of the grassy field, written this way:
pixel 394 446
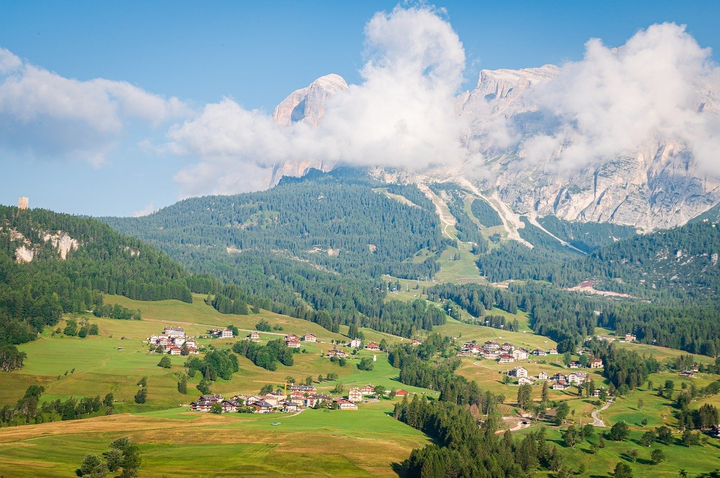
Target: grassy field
pixel 177 442
pixel 694 460
pixel 468 332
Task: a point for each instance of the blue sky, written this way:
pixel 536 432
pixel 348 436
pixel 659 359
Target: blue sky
pixel 255 53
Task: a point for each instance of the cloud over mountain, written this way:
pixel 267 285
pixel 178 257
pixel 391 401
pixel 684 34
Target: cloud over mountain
pixel 402 115
pixel 616 99
pixel 405 112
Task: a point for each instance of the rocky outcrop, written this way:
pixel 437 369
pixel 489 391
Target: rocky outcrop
pixel 26 250
pixel 656 184
pixel 62 242
pixel 308 104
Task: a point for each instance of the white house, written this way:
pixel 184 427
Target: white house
pixel 518 372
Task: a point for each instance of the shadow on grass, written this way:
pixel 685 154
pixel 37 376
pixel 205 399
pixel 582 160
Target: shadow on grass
pixel 400 469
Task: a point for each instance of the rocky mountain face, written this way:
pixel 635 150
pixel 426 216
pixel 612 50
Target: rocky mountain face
pixel 655 184
pixel 306 105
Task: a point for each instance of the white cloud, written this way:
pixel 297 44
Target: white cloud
pixel 616 100
pixel 146 211
pixel 46 114
pixel 401 115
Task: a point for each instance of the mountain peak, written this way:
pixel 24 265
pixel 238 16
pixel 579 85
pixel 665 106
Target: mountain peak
pixel 307 104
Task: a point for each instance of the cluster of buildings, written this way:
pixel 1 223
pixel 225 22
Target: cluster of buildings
pixel 173 341
pixel 221 333
pixel 491 350
pixel 293 341
pixel 560 381
pixel 297 398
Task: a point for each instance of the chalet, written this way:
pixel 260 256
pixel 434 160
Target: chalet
pixel 688 374
pixel 254 335
pixel 174 350
pixel 355 343
pixel 226 334
pixel 542 376
pixel 539 353
pixel 303 389
pixel 337 353
pixel 520 354
pixel 261 406
pixel 560 386
pixel 179 341
pixel 174 332
pixel 553 352
pixel 416 342
pixel 560 377
pixel 201 406
pixel 577 378
pixel 230 406
pixel 596 392
pixel 524 381
pixel 206 402
pixel 242 399
pixel 297 395
pixel 596 363
pixel 312 400
pixel 293 344
pixel 273 399
pixel 491 345
pixel 291 407
pixel 309 338
pixel 472 347
pixel 518 372
pixel 506 358
pixel 401 393
pixel 575 364
pixel 343 404
pixel 630 338
pixel 507 347
pixel 491 354
pixel 355 395
pixel 368 390
pixel 252 399
pixel 372 346
pixel 292 337
pixel 191 344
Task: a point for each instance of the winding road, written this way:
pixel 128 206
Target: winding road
pixel 598 421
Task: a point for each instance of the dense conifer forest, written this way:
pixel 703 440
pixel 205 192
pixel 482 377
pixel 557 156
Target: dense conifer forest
pixel 35 294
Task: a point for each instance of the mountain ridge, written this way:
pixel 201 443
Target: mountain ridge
pixel 655 184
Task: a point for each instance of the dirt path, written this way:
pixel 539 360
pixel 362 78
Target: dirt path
pixel 446 220
pixel 598 421
pixel 511 222
pixel 533 220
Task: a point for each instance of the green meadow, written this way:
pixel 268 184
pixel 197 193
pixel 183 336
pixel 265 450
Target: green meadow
pixel 176 442
pixel 367 442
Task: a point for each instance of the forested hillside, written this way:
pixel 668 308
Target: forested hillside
pixel 673 267
pixel 38 282
pixel 337 223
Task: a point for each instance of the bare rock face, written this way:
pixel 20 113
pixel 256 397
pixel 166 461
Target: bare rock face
pixel 307 104
pixel 63 242
pixel 656 184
